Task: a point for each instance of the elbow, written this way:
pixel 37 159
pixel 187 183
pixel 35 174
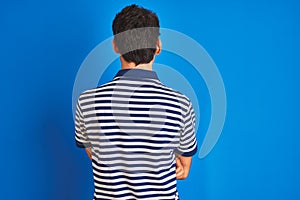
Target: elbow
pixel 185 175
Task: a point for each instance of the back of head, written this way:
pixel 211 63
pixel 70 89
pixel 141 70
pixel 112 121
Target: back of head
pixel 136 32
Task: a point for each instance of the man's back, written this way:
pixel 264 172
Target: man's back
pixel 134 126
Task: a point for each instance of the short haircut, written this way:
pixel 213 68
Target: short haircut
pixel 135 42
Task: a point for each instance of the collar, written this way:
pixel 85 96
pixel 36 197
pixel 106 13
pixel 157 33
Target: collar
pixel 137 73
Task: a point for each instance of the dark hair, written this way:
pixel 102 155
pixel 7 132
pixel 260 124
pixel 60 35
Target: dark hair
pixel 135 42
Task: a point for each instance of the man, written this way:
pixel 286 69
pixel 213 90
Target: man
pixel 138 133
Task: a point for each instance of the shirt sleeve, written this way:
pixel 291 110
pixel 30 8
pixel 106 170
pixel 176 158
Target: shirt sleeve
pixel 80 129
pixel 188 141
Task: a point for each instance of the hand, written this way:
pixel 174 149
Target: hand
pixel 89 152
pixel 179 170
pixel 183 165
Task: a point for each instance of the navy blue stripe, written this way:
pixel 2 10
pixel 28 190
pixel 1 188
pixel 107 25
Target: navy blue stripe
pixel 112 108
pixel 129 102
pixel 103 121
pixel 148 128
pixel 112 177
pixel 119 151
pixel 137 157
pixel 129 146
pixel 128 141
pixel 116 90
pixel 158 196
pixel 102 168
pixel 144 166
pixel 139 126
pixel 141 134
pixel 99 114
pixel 135 185
pixel 115 95
pixel 153 103
pixel 137 86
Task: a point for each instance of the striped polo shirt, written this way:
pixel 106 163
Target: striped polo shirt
pixel 134 125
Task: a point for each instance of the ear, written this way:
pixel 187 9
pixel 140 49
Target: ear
pixel 158 46
pixel 115 46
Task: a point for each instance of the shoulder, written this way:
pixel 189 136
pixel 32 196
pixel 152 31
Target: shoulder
pixel 93 92
pixel 180 98
pixel 177 93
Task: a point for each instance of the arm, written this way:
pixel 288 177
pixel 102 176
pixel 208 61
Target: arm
pixel 188 145
pixel 183 165
pixel 89 152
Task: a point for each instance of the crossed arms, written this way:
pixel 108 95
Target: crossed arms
pixel 183 165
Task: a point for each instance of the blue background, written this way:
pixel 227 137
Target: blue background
pixel 255 45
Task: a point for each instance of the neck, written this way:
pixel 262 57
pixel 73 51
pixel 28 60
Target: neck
pixel 132 65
